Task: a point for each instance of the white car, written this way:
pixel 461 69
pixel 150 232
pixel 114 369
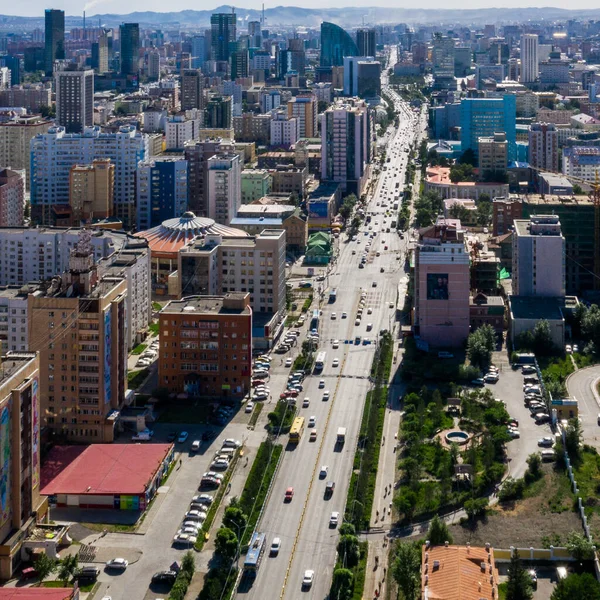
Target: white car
pixel 333 316
pixel 323 472
pixel 288 362
pixel 334 519
pixel 305 402
pixel 369 310
pixel 249 407
pixel 203 499
pixel 312 421
pixel 231 443
pixel 275 546
pixel 117 563
pixel 336 362
pixel 336 344
pixel 309 577
pixel 195 515
pixel 321 383
pixel 184 538
pixel 195 446
pixel 326 395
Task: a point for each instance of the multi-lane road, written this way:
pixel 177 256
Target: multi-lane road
pixel 303 524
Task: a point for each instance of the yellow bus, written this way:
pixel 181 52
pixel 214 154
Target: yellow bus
pixel 296 430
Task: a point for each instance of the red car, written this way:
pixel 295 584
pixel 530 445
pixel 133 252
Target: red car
pixel 289 494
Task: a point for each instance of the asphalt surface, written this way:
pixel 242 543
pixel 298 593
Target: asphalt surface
pixel 582 385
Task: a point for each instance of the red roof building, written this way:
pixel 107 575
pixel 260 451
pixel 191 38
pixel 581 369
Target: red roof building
pixel 122 476
pixel 39 594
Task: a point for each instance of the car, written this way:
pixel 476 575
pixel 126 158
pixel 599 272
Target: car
pixel 249 407
pixel 195 515
pixel 575 348
pixel 172 436
pixel 369 311
pixel 546 442
pixel 220 465
pixel 289 494
pixel 344 315
pixel 288 362
pixel 305 402
pixel 353 252
pixel 275 546
pixel 195 525
pixel 309 577
pixel 231 443
pixel 336 344
pixel 329 487
pixel 541 417
pixel 334 519
pixel 188 530
pixel 514 433
pixel 323 472
pixel 313 436
pixel 491 377
pixel 203 499
pixel 533 578
pixel 165 577
pixel 479 382
pixel 369 326
pixel 209 482
pixel 568 349
pixel 336 362
pixel 84 573
pixel 118 564
pixel 526 369
pixel 321 383
pixel 183 436
pixel 333 316
pixel 374 284
pixel 326 395
pixel 184 538
pixel 361 265
pixel 214 475
pixel 312 421
pixel 195 446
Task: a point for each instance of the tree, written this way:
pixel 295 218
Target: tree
pixel 234 518
pixel 579 546
pixel 519 582
pixel 226 544
pixel 475 507
pixel 406 569
pixel 534 467
pixel 188 564
pixel 406 502
pixel 461 172
pixel 45 565
pixel 48 112
pixel 578 190
pixel 483 213
pixel 542 338
pixel 438 532
pixel 67 567
pixel 573 438
pixel 480 345
pixel 582 587
pixel 468 157
pixel 459 211
pixel 590 324
pixel 342 585
pixel 349 550
pixel 347 529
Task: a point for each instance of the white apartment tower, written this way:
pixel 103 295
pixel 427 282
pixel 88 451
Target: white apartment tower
pixel 224 187
pixel 543 146
pixel 529 57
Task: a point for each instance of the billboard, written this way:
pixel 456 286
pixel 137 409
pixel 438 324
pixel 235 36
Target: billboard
pixel 107 355
pixel 4 465
pixel 35 434
pixel 437 286
pixel 318 209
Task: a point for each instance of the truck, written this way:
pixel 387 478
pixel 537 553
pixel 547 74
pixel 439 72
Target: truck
pixel 341 435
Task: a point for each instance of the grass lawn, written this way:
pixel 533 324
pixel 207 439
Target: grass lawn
pixel 156 306
pixel 136 378
pixel 587 475
pixel 502 591
pixel 154 328
pixel 192 413
pixel 255 414
pixel 111 527
pixel 61 584
pixel 139 348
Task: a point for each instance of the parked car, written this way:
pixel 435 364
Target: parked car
pixel 118 564
pixel 184 538
pixel 165 577
pixel 183 436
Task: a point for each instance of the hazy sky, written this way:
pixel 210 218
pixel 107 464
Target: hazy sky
pixel 74 7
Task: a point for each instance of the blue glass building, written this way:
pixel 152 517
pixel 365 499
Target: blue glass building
pixel 335 44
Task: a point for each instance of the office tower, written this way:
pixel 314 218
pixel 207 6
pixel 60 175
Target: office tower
pixel 362 77
pixel 345 144
pixel 211 372
pixel 91 191
pixel 254 34
pixel 336 43
pixel 529 57
pixel 13 63
pixel 74 99
pixel 15 137
pixel 20 426
pixel 291 61
pixel 130 49
pixel 463 58
pixel 12 197
pixel 493 156
pixel 198 43
pixel 100 53
pixel 543 147
pixel 54 48
pixel 54 153
pixel 443 62
pixel 224 187
pixel 162 190
pixel 304 108
pixel 538 259
pixel 192 89
pixel 78 326
pixel 223 35
pixel 365 41
pixel 239 64
pixel 482 117
pixel 218 113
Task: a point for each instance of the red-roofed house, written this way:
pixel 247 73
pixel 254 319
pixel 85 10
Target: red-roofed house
pixel 39 594
pixel 121 476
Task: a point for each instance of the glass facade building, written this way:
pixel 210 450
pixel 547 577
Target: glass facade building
pixel 336 43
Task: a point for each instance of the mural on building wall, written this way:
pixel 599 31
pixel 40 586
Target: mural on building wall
pixel 35 435
pixel 437 286
pixel 4 466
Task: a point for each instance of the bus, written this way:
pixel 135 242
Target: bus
pixel 332 295
pixel 296 430
pixel 256 549
pixel 320 362
pixel 314 322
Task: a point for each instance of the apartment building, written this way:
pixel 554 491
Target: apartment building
pixel 582 162
pixel 77 323
pixel 284 130
pixel 183 128
pixel 12 197
pixel 543 146
pixel 224 187
pixel 206 346
pixel 253 128
pixel 493 155
pixel 30 96
pixel 54 153
pixel 91 191
pixel 256 183
pixel 74 99
pixel 20 423
pixel 304 108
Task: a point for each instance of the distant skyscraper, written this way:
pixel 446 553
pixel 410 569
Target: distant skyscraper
pixel 198 51
pixel 543 146
pixel 74 99
pixel 223 34
pixel 100 53
pixel 529 57
pixel 239 64
pixel 218 114
pixel 255 34
pixel 336 43
pixel 55 38
pixel 443 62
pixel 192 88
pixel 365 40
pixel 130 47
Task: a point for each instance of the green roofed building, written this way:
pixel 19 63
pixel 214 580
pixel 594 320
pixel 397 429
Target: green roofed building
pixel 318 249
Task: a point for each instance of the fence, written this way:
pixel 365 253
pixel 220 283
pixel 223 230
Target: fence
pixel 553 553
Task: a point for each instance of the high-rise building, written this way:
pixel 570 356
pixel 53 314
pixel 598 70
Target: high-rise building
pixel 255 34
pixel 183 128
pixel 443 62
pixel 192 89
pixel 153 64
pixel 284 129
pixel 20 426
pixel 91 191
pixel 538 257
pixel 529 57
pixel 100 52
pixel 224 187
pixel 12 197
pixel 239 64
pixel 13 63
pixel 336 43
pixel 304 108
pixel 78 325
pixel 482 117
pixel 130 49
pixel 198 43
pixel 362 77
pixel 253 128
pixel 74 99
pixel 218 113
pixel 219 367
pixel 223 35
pixel 346 147
pixel 54 153
pixel 543 147
pixel 55 38
pixel 493 156
pixel 366 42
pixel 269 100
pixel 162 190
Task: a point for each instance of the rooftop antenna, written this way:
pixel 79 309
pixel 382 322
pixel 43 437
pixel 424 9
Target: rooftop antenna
pixel 262 18
pixel 84 19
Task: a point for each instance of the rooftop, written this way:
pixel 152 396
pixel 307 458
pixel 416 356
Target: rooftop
pixel 13 362
pixel 536 307
pixel 101 468
pixel 553 199
pixel 209 305
pixel 441 176
pixel 31 593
